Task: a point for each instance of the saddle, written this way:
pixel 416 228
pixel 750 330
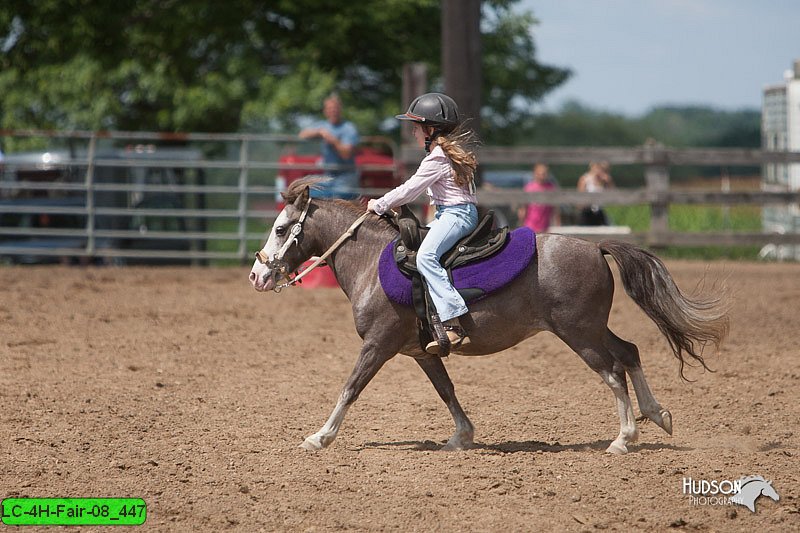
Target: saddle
pixel 483 242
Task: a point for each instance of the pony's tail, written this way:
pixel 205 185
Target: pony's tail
pixel 687 323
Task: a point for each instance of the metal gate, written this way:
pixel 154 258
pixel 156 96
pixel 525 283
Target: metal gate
pixel 145 197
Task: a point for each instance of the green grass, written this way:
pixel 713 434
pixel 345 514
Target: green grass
pixel 691 218
pixel 232 245
pixel 636 217
pixel 700 218
pixel 696 219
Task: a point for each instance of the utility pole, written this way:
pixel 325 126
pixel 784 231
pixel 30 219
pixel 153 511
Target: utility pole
pixel 415 83
pixel 461 56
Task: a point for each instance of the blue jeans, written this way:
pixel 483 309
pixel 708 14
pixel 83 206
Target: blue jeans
pixel 453 222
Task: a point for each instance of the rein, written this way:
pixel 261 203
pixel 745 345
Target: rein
pixel 277 263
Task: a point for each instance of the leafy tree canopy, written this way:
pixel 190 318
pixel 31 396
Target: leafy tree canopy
pixel 241 65
pixel 576 124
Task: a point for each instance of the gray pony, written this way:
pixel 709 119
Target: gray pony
pixel 567 289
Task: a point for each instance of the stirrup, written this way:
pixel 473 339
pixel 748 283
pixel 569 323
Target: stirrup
pixel 458 337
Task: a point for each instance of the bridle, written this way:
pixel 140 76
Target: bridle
pixel 278 264
pixel 281 266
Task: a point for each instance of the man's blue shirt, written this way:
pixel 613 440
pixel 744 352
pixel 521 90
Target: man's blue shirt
pixel 346 133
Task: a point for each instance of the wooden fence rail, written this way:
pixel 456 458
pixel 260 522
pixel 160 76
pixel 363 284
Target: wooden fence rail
pixel 656 193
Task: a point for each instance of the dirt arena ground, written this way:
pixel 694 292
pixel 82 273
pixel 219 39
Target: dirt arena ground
pixel 187 388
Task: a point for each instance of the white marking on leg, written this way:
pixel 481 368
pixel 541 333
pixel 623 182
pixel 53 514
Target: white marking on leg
pixel 326 435
pixel 627 420
pixel 648 404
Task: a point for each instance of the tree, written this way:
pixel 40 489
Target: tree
pixel 513 80
pixel 249 65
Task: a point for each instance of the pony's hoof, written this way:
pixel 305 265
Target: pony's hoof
pixel 311 444
pixel 454 446
pixel 617 448
pixel 461 440
pixel 666 421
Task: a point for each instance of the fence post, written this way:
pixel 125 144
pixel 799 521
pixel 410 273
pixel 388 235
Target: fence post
pixel 656 176
pixel 242 211
pixel 89 183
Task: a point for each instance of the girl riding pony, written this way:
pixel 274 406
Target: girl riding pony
pixel 447 173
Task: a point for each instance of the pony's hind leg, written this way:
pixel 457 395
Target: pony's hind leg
pixel 595 354
pixel 436 372
pixel 628 432
pixel 627 354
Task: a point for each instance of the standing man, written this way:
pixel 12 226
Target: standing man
pixel 339 140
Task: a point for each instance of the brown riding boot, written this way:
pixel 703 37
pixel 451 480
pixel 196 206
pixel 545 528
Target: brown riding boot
pixel 458 337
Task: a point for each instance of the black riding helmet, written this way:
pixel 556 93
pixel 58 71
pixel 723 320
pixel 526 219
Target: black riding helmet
pixel 433 109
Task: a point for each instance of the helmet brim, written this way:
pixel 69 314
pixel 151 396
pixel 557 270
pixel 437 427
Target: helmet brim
pixel 411 116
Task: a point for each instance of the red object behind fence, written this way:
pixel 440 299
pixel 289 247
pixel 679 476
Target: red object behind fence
pixel 321 276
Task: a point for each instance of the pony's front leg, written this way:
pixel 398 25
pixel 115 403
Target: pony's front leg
pixel 326 435
pixel 369 362
pixel 437 373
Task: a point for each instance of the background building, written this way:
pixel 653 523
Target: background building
pixel 780 131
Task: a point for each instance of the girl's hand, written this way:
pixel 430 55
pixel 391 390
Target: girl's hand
pixel 371 205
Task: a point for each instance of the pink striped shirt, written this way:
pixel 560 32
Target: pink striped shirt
pixel 435 174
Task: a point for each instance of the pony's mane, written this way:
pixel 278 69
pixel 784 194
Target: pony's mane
pixel 297 187
pixel 357 209
pixel 354 207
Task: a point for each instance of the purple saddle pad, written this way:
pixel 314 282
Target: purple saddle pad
pixel 488 274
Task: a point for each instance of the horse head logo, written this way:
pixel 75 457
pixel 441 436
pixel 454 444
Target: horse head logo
pixel 751 488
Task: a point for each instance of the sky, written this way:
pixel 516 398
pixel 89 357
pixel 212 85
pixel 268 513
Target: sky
pixel 628 56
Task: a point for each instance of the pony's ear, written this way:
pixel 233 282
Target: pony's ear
pixel 302 199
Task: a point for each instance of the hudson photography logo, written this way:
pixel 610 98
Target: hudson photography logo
pixel 744 491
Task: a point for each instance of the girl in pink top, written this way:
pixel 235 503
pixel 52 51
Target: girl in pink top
pixel 538 216
pixel 447 174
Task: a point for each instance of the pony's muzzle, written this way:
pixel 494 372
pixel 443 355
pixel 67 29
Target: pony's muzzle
pixel 254 277
pixel 263 282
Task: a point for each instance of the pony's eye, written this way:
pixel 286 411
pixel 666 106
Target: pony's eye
pixel 280 231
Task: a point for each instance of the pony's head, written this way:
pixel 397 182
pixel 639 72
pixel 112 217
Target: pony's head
pixel 284 251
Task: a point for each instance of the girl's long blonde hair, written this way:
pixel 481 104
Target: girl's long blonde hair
pixel 459 146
